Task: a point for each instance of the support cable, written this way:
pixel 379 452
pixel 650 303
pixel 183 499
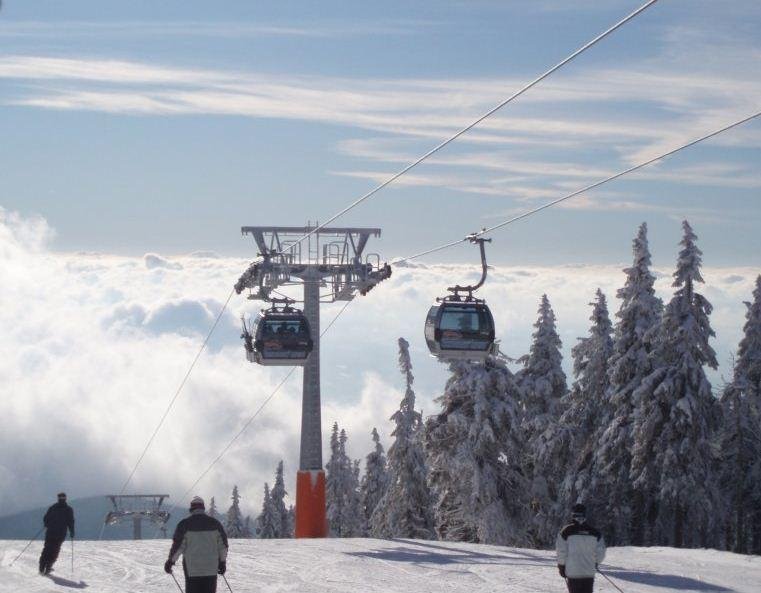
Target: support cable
pixel 177 393
pixel 577 192
pixel 473 124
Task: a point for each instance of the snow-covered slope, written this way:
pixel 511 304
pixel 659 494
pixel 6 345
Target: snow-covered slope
pixel 366 566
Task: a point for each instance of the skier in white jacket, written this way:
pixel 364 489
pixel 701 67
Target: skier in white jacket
pixel 580 549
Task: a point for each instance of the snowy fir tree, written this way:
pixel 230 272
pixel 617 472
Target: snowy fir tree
pixel 676 415
pixel 291 517
pixel 542 384
pixel 404 510
pixel 564 452
pixel 740 442
pixel 474 448
pixel 374 480
pixel 213 511
pixel 234 525
pixel 630 362
pixel 542 381
pixel 268 522
pixel 278 495
pixel 355 521
pixel 342 489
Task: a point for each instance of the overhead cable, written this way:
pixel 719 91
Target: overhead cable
pixel 577 192
pixel 177 392
pixel 473 124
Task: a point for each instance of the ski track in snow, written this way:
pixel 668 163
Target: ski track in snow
pixel 368 566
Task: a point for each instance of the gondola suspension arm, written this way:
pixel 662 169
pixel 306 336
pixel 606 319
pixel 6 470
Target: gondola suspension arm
pixel 457 289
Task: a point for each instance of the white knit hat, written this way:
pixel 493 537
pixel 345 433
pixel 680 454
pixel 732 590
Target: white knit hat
pixel 197 503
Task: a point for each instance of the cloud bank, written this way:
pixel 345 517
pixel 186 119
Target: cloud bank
pixel 95 345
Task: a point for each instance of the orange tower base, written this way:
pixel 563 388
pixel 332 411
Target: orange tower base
pixel 311 520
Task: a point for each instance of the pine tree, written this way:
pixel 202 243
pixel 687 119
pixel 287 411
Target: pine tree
pixel 542 383
pixel 268 523
pixel 629 364
pixel 234 519
pixel 564 451
pixel 474 448
pixel 213 512
pixel 291 517
pixel 354 521
pixel 374 481
pixel 405 508
pixel 677 414
pixel 740 442
pixel 342 489
pixel 277 496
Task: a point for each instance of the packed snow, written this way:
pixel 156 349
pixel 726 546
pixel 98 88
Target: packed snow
pixel 369 565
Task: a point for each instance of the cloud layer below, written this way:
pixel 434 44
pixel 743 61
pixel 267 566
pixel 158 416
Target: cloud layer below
pixel 94 346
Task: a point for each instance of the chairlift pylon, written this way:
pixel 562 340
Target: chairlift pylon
pixel 460 326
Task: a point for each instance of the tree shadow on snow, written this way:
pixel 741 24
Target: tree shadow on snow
pixel 666 581
pixel 425 552
pixel 67 583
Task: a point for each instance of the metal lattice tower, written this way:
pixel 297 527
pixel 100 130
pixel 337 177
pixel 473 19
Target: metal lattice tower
pixel 332 266
pixel 138 508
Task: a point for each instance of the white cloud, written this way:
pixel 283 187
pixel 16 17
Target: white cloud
pixel 94 347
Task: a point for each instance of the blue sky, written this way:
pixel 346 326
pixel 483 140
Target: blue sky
pixel 162 127
pixel 144 126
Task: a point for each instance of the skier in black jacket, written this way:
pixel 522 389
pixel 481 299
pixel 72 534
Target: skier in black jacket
pixel 58 519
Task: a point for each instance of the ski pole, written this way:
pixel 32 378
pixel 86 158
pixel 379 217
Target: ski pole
pixel 228 584
pixel 72 554
pixel 176 582
pixel 607 578
pixel 36 535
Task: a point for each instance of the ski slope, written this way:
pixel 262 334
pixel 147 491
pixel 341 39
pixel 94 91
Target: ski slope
pixel 367 566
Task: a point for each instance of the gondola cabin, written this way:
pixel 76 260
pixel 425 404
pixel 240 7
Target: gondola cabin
pixel 279 338
pixel 460 330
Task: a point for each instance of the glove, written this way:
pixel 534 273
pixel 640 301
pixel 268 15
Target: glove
pixel 222 568
pixel 561 570
pixel 168 566
pixel 72 534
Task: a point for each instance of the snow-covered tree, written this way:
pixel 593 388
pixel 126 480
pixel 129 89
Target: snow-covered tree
pixel 213 511
pixel 564 452
pixel 234 525
pixel 740 442
pixel 542 383
pixel 268 523
pixel 474 449
pixel 404 510
pixel 630 362
pixel 277 496
pixel 677 415
pixel 374 480
pixel 342 489
pixel 291 521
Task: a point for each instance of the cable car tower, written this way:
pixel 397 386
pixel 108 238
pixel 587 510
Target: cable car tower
pixel 137 508
pixel 332 266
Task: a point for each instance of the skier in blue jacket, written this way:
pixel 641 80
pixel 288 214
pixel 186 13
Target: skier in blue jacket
pixel 580 549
